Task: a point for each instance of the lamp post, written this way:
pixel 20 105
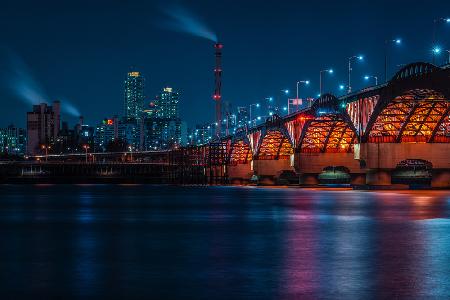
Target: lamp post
pixel 367 77
pixel 436 51
pixel 305 82
pixel 435 23
pixel 46 148
pixel 350 59
pixel 251 105
pixel 386 45
pixel 131 152
pixel 329 71
pixel 86 147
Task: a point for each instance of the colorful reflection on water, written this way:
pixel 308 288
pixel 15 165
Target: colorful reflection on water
pixel 115 241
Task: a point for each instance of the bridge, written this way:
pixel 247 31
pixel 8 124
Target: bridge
pixel 391 133
pixel 396 132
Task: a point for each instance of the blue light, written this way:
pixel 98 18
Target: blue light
pixel 270 113
pixel 321 112
pixel 447 20
pixel 360 57
pixel 343 105
pixel 307 82
pixel 398 41
pixel 436 50
pixel 341 87
pixel 286 92
pixel 285 108
pixel 330 71
pixel 318 95
pixel 257 104
pixel 366 77
pixel 259 118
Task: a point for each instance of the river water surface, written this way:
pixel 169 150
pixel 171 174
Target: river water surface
pixel 159 242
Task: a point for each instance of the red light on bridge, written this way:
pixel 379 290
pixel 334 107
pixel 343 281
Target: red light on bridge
pixel 217 97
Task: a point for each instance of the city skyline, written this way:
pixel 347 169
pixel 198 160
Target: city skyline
pixel 260 59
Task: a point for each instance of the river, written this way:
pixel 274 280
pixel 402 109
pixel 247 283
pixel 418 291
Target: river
pixel 166 242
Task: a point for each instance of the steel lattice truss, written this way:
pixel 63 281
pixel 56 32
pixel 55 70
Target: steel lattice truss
pixel 240 153
pixel 442 132
pixel 328 134
pixel 275 145
pixel 416 116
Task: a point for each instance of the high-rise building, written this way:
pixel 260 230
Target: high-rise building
pixel 12 140
pixel 134 96
pixel 43 124
pixel 163 128
pixel 166 104
pixel 242 117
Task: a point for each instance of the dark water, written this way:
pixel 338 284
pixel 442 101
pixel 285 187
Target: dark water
pixel 149 242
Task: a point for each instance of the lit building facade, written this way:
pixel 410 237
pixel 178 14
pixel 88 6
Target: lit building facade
pixel 43 125
pixel 163 128
pixel 134 96
pixel 166 104
pixel 12 140
pixel 111 130
pixel 242 116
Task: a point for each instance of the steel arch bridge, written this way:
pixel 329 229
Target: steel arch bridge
pixel 413 107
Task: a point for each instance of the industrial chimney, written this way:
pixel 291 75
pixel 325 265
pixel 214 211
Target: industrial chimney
pixel 217 90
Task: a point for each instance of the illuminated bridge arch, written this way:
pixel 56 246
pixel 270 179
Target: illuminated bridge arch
pixel 329 130
pixel 275 141
pixel 414 107
pixel 415 69
pixel 240 151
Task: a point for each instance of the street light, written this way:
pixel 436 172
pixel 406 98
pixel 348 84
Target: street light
pixel 367 77
pixel 131 152
pixel 435 23
pixel 46 148
pixel 257 106
pixel 386 45
pixel 350 59
pixel 86 147
pixel 305 82
pixel 329 71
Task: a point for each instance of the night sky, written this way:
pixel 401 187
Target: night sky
pixel 80 51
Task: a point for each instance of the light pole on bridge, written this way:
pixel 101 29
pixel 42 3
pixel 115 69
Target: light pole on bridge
pixel 386 46
pixel 367 77
pixel 250 116
pixel 435 23
pixel 329 71
pixel 350 60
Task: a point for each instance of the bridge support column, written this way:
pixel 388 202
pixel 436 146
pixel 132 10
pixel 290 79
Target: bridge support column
pixel 240 173
pixel 268 171
pixel 378 177
pixel 441 179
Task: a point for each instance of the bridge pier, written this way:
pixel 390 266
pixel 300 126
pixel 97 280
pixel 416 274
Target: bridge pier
pixel 378 177
pixel 240 173
pixel 310 165
pixel 268 171
pixel 440 179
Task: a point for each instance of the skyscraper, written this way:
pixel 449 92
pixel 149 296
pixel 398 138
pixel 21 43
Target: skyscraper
pixel 167 103
pixel 163 129
pixel 134 96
